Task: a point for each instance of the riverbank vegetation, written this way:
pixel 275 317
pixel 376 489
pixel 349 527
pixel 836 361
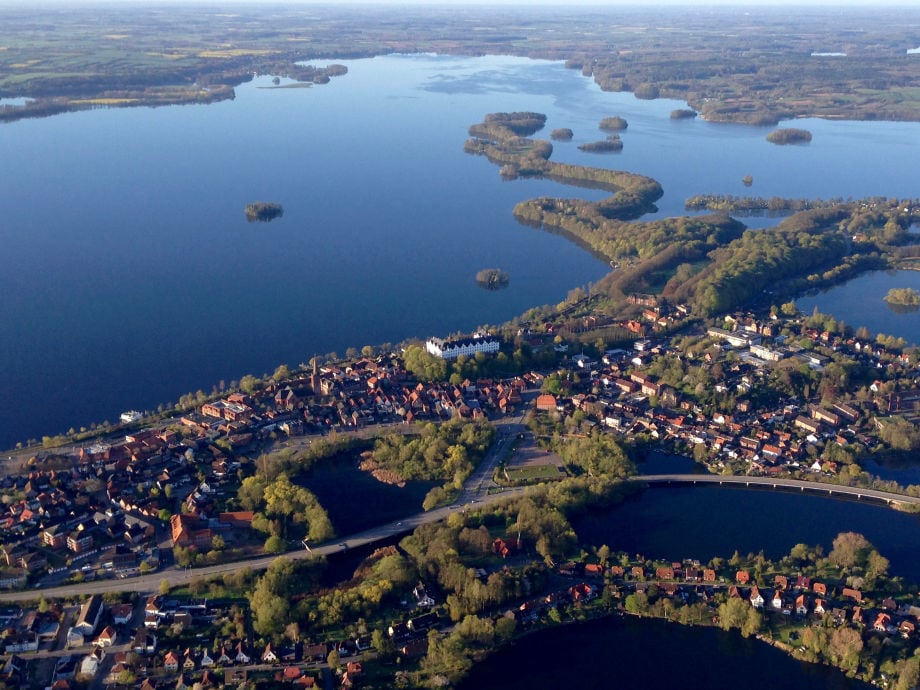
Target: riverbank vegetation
pixel 789 135
pixel 516 566
pixel 447 452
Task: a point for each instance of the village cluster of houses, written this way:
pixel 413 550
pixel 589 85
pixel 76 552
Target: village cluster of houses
pixel 799 597
pixel 61 525
pixel 365 392
pixel 629 400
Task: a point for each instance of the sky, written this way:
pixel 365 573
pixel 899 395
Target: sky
pixel 509 3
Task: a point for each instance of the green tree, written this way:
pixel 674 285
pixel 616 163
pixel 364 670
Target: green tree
pixel 849 549
pixel 752 622
pixel 844 648
pixel 733 613
pixel 637 603
pixel 270 598
pixel 127 677
pixel 382 644
pixel 274 544
pixel 908 674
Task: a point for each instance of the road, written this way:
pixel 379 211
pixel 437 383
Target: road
pixel 151 582
pixel 475 491
pixel 780 483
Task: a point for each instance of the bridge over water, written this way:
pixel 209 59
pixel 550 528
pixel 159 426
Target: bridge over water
pixel 799 485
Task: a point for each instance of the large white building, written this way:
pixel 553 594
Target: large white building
pixel 451 349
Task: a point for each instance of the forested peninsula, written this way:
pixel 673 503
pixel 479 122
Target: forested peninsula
pixel 711 263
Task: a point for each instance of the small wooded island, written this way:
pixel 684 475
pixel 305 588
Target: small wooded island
pixel 561 134
pixel 683 114
pixel 263 211
pixel 613 124
pixel 611 144
pixel 789 135
pixel 492 279
pixel 904 297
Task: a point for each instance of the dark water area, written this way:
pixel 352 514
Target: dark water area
pixel 659 462
pixel 903 471
pixel 861 302
pixel 703 522
pixel 342 565
pixel 355 501
pixel 634 653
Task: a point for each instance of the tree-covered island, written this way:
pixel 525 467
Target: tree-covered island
pixel 905 297
pixel 789 135
pixel 263 211
pixel 492 278
pixel 611 144
pixel 613 124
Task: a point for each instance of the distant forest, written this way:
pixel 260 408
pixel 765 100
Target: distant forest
pixel 755 67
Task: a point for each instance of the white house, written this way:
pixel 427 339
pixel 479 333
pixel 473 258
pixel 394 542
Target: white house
pixel 451 349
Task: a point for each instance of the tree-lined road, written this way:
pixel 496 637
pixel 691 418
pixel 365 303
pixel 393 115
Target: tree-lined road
pixel 476 490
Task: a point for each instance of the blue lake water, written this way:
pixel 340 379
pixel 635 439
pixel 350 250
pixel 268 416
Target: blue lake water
pixel 675 523
pixel 129 275
pixel 861 302
pixel 626 652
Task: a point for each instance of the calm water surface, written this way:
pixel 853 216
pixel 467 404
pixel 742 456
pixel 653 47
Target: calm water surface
pixel 861 302
pixel 129 276
pixel 631 653
pixel 355 501
pixel 704 522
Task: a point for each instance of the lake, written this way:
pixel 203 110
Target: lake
pixel 627 652
pixel 703 522
pixel 355 500
pixel 696 523
pixel 129 275
pixel 861 302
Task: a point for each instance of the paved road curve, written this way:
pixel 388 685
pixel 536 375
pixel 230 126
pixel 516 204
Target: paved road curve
pixel 476 487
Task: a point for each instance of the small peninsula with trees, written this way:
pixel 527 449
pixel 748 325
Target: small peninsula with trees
pixel 263 211
pixel 789 135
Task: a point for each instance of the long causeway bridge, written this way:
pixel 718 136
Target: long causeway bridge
pixel 799 485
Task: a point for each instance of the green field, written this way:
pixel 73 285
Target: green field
pixel 534 473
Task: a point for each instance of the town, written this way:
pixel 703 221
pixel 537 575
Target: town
pixel 771 394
